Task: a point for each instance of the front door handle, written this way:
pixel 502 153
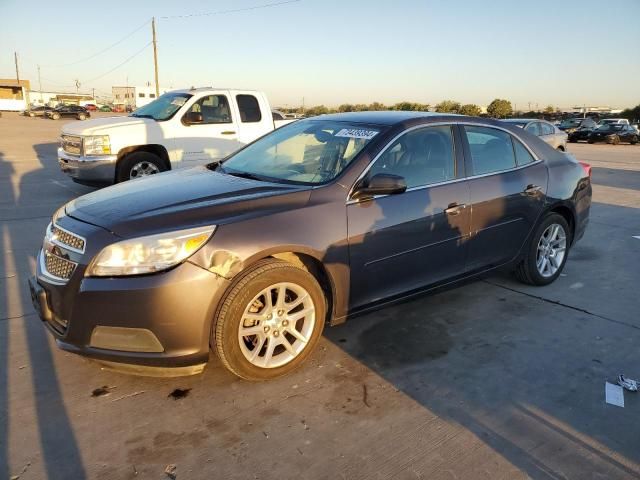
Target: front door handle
pixel 454 208
pixel 228 132
pixel 532 189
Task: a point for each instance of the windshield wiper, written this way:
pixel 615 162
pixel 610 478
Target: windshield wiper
pixel 142 116
pixel 248 175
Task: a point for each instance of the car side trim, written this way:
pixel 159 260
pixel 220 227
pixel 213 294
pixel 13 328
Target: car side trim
pixel 351 201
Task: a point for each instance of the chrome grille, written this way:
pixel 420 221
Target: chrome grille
pixel 58 266
pixel 67 239
pixel 71 144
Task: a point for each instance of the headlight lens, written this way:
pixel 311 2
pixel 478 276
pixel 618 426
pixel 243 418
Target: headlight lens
pixel 97 145
pixel 148 254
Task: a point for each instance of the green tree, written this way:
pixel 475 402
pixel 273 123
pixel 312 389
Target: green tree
pixel 317 110
pixel 470 109
pixel 499 108
pixel 448 106
pixel 631 113
pixel 549 109
pixel 377 106
pixel 346 107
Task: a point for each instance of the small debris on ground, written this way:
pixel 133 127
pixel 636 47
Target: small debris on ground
pixel 134 394
pixel 171 471
pixel 342 340
pixel 21 367
pixel 102 391
pixel 179 393
pixel 627 383
pixel 613 394
pixel 365 395
pixel 265 434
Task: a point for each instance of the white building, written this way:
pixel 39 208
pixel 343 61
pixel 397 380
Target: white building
pixel 135 96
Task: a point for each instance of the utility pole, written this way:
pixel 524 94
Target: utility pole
pixel 93 90
pixel 40 84
pixel 155 54
pixel 15 55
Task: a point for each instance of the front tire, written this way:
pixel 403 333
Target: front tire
pixel 546 253
pixel 82 116
pixel 55 116
pixel 270 321
pixel 615 140
pixel 137 165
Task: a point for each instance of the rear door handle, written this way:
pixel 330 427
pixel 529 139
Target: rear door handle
pixel 454 209
pixel 532 189
pixel 228 132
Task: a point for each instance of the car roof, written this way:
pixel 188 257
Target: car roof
pixel 385 117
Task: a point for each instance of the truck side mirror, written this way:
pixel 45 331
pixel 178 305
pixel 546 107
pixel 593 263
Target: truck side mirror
pixel 192 118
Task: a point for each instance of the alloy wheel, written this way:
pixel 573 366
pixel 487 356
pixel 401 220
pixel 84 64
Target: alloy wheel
pixel 552 248
pixel 143 169
pixel 276 325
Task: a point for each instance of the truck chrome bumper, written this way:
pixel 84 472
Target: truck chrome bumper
pixel 96 168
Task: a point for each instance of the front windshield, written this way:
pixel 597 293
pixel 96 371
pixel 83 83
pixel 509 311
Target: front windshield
pixel 307 152
pixel 164 107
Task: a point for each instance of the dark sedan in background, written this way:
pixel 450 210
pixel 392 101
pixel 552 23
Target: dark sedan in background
pixel 68 111
pixel 570 125
pixel 614 133
pixel 311 224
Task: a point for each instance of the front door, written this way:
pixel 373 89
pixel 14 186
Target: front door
pixel 214 138
pixel 507 188
pixel 401 242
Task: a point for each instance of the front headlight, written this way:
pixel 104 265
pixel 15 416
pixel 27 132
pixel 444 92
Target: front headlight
pixel 148 254
pixel 97 145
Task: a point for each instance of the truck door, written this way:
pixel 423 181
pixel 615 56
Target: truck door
pixel 254 116
pixel 212 138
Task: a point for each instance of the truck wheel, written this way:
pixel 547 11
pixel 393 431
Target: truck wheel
pixel 270 321
pixel 138 165
pixel 546 252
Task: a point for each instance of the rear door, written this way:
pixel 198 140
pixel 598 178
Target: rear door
pixel 507 187
pixel 405 241
pixel 254 116
pixel 214 138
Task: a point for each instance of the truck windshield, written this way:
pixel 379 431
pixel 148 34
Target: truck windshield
pixel 164 107
pixel 306 152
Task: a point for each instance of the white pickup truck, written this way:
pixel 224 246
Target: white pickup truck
pixel 181 128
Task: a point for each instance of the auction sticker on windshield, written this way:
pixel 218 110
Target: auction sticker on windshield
pixel 356 133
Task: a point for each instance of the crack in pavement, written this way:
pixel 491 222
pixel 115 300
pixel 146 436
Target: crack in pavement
pixel 557 302
pixel 17 316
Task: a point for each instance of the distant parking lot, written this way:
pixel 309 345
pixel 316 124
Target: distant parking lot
pixel 490 380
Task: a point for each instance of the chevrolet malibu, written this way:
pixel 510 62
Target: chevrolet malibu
pixel 313 223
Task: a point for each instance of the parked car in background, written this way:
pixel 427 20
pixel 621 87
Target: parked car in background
pixel 572 124
pixel 581 134
pixel 543 129
pixel 39 111
pixel 311 224
pixel 68 111
pixel 614 121
pixel 92 107
pixel 182 128
pixel 614 133
pixel 105 108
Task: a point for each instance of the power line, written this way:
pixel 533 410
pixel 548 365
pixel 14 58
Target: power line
pixel 119 65
pixel 236 10
pixel 101 51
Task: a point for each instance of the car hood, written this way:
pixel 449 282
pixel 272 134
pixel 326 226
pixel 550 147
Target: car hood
pixel 104 126
pixel 182 199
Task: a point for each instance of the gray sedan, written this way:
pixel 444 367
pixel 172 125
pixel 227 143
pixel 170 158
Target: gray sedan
pixel 543 129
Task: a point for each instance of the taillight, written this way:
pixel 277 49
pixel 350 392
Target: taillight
pixel 587 168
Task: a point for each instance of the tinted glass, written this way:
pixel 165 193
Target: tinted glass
pixel 164 107
pixel 533 128
pixel 249 108
pixel 522 154
pixel 547 129
pixel 421 157
pixel 307 152
pixel 276 116
pixel 491 150
pixel 214 109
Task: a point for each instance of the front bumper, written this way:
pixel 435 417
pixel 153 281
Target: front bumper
pixel 175 307
pixel 95 168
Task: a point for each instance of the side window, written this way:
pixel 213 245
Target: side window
pixel 276 116
pixel 214 109
pixel 534 128
pixel 522 154
pixel 491 149
pixel 141 95
pixel 421 157
pixel 249 108
pixel 547 129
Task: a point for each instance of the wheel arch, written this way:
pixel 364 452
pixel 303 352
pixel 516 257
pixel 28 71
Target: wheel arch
pixel 568 213
pixel 155 149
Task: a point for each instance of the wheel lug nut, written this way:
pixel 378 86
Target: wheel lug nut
pixel 270 316
pixel 266 329
pixel 285 323
pixel 276 333
pixel 280 313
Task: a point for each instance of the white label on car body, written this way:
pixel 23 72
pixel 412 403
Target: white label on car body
pixel 356 133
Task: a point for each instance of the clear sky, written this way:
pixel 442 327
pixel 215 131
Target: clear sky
pixel 565 53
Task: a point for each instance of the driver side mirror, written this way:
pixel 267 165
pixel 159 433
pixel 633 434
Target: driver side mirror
pixel 380 184
pixel 192 118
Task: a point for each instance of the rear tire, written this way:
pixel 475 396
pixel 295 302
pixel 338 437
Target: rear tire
pixel 634 140
pixel 532 269
pixel 246 307
pixel 615 140
pixel 55 116
pixel 82 116
pixel 139 164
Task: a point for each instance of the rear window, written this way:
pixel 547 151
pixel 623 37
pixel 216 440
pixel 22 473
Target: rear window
pixel 249 108
pixel 491 149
